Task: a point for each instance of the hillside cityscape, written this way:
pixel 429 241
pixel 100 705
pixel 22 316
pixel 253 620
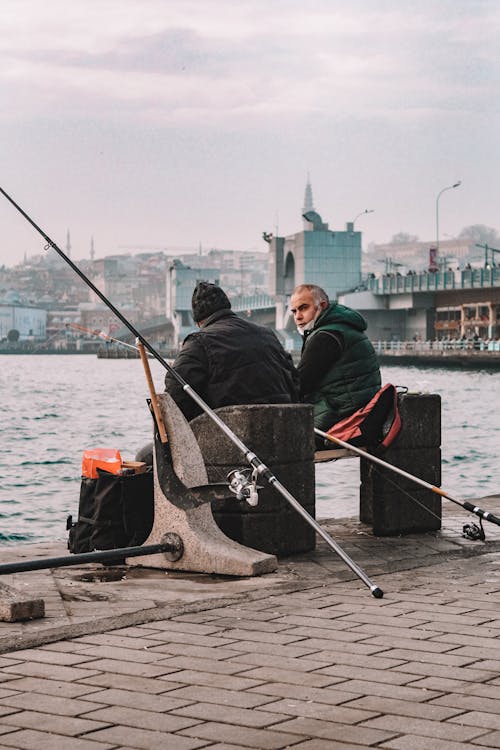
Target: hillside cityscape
pixel 43 303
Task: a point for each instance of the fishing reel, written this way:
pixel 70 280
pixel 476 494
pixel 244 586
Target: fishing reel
pixel 474 532
pixel 243 484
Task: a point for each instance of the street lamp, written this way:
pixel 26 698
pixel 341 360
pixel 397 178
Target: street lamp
pixel 450 187
pixel 366 211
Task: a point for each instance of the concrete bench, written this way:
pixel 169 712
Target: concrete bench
pixel 334 454
pixel 282 436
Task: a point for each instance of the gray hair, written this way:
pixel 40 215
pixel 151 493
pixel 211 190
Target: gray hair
pixel 319 294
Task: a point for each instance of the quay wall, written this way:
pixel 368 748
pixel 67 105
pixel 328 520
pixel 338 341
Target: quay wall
pixel 464 354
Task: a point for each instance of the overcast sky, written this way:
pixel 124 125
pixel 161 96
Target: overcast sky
pixel 170 123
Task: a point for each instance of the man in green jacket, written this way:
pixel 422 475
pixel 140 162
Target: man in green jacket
pixel 339 372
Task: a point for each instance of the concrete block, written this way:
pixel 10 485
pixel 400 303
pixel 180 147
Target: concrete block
pixel 424 463
pixel 282 436
pixel 391 503
pixel 421 419
pixel 400 514
pixel 298 475
pixel 15 607
pixel 275 533
pixel 277 433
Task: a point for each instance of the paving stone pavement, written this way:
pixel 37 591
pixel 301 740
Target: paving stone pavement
pixel 304 658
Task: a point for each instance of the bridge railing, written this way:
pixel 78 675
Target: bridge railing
pixel 429 282
pixel 382 347
pixel 245 302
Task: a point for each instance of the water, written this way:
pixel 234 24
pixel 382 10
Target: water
pixel 54 407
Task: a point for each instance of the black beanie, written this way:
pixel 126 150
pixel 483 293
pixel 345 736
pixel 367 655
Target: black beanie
pixel 207 299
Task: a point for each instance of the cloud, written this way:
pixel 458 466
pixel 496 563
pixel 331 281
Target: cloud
pixel 228 62
pixel 199 101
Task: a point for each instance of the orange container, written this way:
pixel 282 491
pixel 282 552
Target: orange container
pixel 108 459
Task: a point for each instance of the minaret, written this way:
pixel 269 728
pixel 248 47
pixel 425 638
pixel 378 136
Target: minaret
pixel 92 250
pixel 68 245
pixel 308 199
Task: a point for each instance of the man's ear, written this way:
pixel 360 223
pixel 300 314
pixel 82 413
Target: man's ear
pixel 323 304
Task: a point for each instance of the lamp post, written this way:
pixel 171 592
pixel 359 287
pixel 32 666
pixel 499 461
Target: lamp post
pixel 450 187
pixel 366 211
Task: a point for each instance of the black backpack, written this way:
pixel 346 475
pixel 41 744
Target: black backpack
pixel 114 511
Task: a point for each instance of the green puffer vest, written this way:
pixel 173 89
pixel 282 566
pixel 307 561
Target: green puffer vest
pixel 354 378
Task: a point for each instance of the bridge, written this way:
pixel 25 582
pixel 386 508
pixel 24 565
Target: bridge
pixel 260 308
pixel 477 278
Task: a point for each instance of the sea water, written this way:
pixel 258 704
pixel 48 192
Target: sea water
pixel 56 406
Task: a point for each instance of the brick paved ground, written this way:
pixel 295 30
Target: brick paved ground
pixel 306 660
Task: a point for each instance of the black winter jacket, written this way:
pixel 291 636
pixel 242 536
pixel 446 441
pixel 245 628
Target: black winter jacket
pixel 232 361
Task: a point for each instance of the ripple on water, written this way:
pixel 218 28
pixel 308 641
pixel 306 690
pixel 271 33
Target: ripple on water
pixel 47 462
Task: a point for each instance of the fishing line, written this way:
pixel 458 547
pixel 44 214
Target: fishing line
pixel 255 462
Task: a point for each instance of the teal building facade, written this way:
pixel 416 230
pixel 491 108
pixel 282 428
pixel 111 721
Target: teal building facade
pixel 316 255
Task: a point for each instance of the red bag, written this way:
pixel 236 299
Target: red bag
pixel 376 424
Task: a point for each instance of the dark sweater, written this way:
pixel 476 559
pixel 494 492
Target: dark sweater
pixel 232 361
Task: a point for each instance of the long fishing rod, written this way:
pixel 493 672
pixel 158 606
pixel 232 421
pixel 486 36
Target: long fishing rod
pixel 249 455
pixel 437 490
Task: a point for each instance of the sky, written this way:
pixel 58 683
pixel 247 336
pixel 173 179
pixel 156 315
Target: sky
pixel 166 124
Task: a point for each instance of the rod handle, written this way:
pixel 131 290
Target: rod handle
pixel 154 398
pixel 481 513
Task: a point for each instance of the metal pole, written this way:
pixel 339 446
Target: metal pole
pixel 88 557
pixel 450 187
pixel 366 211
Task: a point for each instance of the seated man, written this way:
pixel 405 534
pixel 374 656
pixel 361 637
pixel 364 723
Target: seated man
pixel 338 369
pixel 230 360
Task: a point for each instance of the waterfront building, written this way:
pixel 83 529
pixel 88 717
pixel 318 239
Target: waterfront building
pixel 132 279
pixel 29 321
pixel 96 316
pixel 315 255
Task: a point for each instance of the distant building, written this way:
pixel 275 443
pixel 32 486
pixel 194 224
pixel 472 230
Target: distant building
pixel 181 281
pixel 131 280
pixel 30 322
pixel 98 317
pixel 316 255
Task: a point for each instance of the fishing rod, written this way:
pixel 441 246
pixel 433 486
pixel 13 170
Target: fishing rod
pixel 259 466
pixel 100 334
pixel 437 490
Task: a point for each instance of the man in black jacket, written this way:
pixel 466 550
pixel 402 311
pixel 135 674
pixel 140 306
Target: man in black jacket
pixel 230 360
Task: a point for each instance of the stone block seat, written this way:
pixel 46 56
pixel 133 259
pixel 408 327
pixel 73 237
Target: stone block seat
pixel 282 436
pixel 390 503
